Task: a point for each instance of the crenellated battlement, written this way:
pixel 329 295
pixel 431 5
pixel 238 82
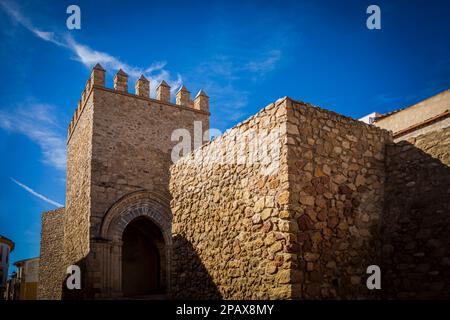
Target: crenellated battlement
pixel 142 91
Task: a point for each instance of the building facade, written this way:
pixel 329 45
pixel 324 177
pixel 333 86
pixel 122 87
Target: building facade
pixel 24 283
pixel 426 116
pixel 12 288
pixel 6 246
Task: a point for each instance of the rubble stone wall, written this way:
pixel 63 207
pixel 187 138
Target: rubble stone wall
pixel 336 190
pixel 307 231
pixel 51 262
pixel 78 186
pixel 229 215
pixel 416 220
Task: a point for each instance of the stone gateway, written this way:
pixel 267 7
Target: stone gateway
pixel 228 221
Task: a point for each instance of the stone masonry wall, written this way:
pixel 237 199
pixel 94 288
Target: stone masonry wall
pixel 78 186
pixel 51 262
pixel 306 231
pixel 228 216
pixel 131 152
pixel 336 190
pixel 132 147
pixel 119 143
pixel 416 220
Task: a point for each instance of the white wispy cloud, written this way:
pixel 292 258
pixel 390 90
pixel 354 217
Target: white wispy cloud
pixel 231 99
pixel 156 66
pixel 32 234
pixel 223 77
pixel 231 67
pixel 36 194
pixel 89 56
pixel 13 11
pixel 265 63
pixel 155 73
pixel 38 122
pixel 218 75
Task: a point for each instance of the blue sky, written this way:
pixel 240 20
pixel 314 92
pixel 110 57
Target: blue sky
pixel 244 54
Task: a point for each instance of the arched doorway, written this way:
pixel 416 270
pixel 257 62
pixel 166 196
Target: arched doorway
pixel 146 211
pixel 143 258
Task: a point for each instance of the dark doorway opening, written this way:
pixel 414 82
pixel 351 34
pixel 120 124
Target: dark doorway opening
pixel 142 259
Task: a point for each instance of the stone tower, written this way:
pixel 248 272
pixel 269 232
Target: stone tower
pixel 119 153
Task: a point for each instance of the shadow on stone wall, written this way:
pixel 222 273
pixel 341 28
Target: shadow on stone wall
pixel 190 279
pixel 416 220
